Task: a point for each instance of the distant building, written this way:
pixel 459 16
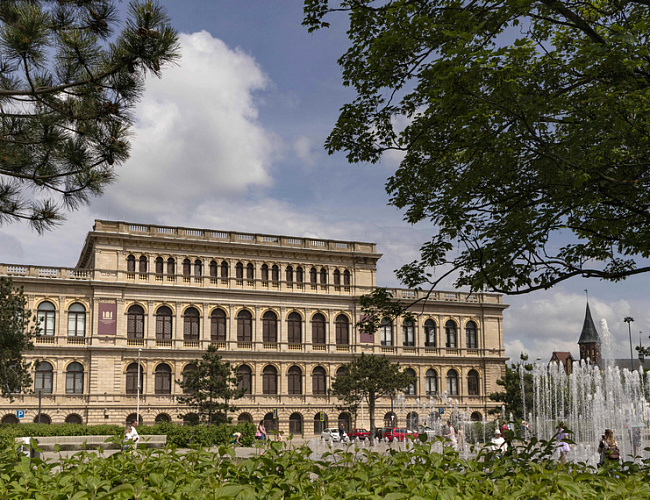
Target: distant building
pixel 563 358
pixel 589 340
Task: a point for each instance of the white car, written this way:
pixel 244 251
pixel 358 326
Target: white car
pixel 330 435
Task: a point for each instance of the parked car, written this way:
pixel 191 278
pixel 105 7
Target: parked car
pixel 330 435
pixel 381 432
pixel 360 434
pixel 400 434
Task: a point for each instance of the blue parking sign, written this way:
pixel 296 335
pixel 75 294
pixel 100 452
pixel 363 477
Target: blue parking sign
pixel 20 413
pixel 441 411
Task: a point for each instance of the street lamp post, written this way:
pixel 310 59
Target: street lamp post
pixel 641 353
pixel 137 410
pixel 628 320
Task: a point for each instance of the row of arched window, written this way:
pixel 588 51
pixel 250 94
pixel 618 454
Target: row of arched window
pixel 242 271
pixel 387 334
pixel 244 320
pixel 295 380
pixel 46 315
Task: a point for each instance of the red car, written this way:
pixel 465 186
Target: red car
pixel 358 434
pixel 399 434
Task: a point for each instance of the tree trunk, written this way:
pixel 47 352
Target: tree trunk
pixel 371 414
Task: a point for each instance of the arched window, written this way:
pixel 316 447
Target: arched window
pixel 450 331
pixel 313 276
pixel 323 276
pixel 295 423
pixel 294 377
pixel 408 330
pixel 265 272
pixel 412 420
pixel 164 323
pixel 390 420
pixel 45 419
pixel 191 325
pixel 162 418
pixel 74 379
pixel 341 371
pixel 187 268
pixel 318 329
pixel 472 383
pixel 429 333
pixel 269 327
pixel 294 327
pixel 320 422
pixel 142 268
pixel 344 420
pixel 289 274
pixel 337 277
pixel 73 419
pixel 132 378
pixel 270 422
pixel 134 416
pixel 130 264
pixel 386 331
pixel 224 269
pixel 245 417
pixel 160 265
pixel 346 278
pixel 43 378
pixel 10 419
pixel 275 274
pixel 189 368
pixel 163 378
pixel 250 271
pixel 246 380
pixel 218 326
pixel 239 271
pixel 452 383
pixel 244 326
pixel 431 380
pixel 213 269
pixel 318 381
pixel 269 380
pixel 342 330
pixel 171 267
pixel 472 337
pixel 476 416
pixel 47 318
pixel 411 390
pixel 76 320
pixel 135 322
pixel 198 268
pixel 299 275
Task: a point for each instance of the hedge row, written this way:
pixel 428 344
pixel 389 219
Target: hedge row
pixel 179 435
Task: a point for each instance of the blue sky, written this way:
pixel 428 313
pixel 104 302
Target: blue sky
pixel 233 139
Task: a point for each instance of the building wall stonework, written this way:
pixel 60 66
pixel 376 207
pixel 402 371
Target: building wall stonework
pixel 119 268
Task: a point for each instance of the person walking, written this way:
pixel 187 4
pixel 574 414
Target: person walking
pixel 260 434
pixel 560 442
pixel 131 436
pixel 608 448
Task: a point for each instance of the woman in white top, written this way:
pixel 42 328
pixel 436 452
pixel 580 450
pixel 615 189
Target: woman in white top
pixel 131 434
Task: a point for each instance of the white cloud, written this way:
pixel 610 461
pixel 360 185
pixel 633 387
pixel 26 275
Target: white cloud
pixel 304 149
pixel 197 135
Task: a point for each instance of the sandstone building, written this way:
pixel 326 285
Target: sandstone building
pixel 282 309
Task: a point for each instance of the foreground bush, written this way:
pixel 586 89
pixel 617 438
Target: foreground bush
pixel 179 435
pixel 286 473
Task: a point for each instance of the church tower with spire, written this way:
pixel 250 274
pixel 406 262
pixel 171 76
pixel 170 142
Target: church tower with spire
pixel 589 340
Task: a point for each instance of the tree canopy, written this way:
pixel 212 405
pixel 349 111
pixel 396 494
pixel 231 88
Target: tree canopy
pixel 68 85
pixel 516 403
pixel 524 130
pixel 368 378
pixel 17 328
pixel 209 387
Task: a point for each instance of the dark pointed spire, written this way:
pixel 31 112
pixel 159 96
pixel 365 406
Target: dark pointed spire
pixel 589 333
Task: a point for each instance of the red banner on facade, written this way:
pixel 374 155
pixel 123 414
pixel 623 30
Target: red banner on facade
pixel 107 319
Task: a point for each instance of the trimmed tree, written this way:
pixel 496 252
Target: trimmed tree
pixel 17 328
pixel 68 86
pixel 512 397
pixel 368 378
pixel 208 388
